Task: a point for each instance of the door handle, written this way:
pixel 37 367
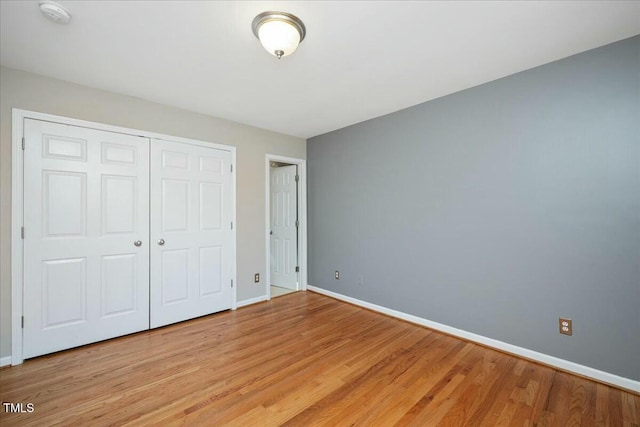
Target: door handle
pixel 161 242
pixel 138 243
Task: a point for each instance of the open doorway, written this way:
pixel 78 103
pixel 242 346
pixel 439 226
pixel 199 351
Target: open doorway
pixel 285 227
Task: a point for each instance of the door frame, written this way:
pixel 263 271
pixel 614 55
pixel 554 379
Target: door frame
pixel 302 218
pixel 17 207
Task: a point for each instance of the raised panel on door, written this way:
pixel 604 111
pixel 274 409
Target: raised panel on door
pixel 85 204
pixel 64 292
pixel 174 276
pixel 118 284
pixel 175 204
pixel 284 231
pixel 211 206
pixel 64 202
pixel 119 204
pixel 211 278
pixel 191 259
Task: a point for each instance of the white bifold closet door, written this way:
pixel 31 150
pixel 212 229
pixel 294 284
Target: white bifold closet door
pixel 191 231
pixel 86 236
pixel 120 234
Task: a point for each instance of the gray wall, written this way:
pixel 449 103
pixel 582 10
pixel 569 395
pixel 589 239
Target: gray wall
pixel 496 209
pixel 36 93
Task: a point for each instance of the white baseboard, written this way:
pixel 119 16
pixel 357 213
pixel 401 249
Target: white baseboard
pixel 565 365
pixel 4 361
pixel 251 301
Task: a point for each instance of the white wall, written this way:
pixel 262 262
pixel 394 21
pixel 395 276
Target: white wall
pixel 27 91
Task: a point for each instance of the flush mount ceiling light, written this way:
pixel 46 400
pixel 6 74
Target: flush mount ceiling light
pixel 54 12
pixel 279 32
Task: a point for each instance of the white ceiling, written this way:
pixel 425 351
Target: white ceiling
pixel 360 59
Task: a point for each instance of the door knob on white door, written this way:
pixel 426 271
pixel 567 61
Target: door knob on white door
pixel 161 242
pixel 138 242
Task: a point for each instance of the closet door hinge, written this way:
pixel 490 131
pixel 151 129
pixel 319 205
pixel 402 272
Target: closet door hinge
pixel 232 225
pixel 297 269
pixel 232 283
pixel 231 168
pixel 297 223
pixel 23 143
pixel 297 178
pixel 22 232
pixel 22 322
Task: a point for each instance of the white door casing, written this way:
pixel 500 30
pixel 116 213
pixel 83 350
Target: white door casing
pixel 191 229
pixel 284 227
pixel 85 206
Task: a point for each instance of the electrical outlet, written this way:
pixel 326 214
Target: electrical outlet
pixel 256 277
pixel 566 328
pixel 337 275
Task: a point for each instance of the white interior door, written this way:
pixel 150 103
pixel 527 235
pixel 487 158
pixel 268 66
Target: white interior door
pixel 284 227
pixel 85 205
pixel 191 208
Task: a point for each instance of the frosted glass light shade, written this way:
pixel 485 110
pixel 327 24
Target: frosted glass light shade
pixel 279 36
pixel 280 33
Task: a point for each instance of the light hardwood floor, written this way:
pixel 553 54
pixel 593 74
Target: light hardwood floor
pixel 277 291
pixel 300 360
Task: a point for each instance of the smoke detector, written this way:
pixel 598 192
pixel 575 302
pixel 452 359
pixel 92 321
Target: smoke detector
pixel 54 12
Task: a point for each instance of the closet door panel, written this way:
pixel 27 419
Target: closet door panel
pixel 85 205
pixel 191 190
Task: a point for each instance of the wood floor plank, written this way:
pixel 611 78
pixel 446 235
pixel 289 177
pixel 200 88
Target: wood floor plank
pixel 630 410
pixel 602 405
pixel 414 384
pixel 615 407
pixel 302 359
